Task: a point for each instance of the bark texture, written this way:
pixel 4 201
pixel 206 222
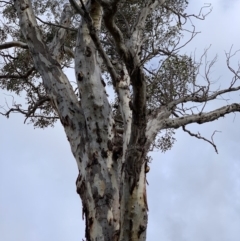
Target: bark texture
pixel 110 146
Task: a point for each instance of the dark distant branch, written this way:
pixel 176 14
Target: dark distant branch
pixel 109 11
pixel 28 113
pixel 200 15
pixel 198 136
pixel 195 97
pixel 6 2
pixel 13 44
pixel 56 25
pixel 26 75
pixel 36 105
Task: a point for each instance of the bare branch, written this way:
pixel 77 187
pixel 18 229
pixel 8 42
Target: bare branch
pixel 200 118
pixel 198 136
pixel 236 73
pixel 160 120
pixel 13 44
pixel 30 112
pixel 200 15
pixel 6 2
pixel 201 98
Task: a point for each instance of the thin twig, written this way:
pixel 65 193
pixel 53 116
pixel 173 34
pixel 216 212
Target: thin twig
pixel 198 136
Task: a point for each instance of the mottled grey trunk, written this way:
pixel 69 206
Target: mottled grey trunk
pixel 111 161
pixel 100 152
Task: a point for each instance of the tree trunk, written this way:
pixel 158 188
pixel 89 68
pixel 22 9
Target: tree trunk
pixel 112 161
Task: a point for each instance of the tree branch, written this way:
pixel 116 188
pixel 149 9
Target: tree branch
pixel 160 120
pixel 25 46
pixel 28 113
pixel 13 44
pixel 139 26
pixel 58 87
pixel 154 124
pixel 77 7
pixel 93 33
pixel 56 46
pixel 198 136
pixel 56 25
pixel 124 96
pixel 26 75
pixel 200 118
pixel 110 9
pixel 201 98
pixel 6 2
pixel 36 105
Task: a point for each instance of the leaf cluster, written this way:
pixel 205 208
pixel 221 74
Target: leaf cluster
pixel 161 36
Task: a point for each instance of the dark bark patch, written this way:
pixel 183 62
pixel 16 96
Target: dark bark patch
pixel 88 52
pixel 131 226
pixel 90 222
pixel 117 152
pixel 130 105
pixel 141 229
pixel 93 160
pixel 87 231
pixel 82 188
pixel 80 76
pixel 117 147
pixel 24 6
pixel 104 84
pixel 104 153
pixel 99 139
pixel 65 120
pixel 72 111
pixel 110 145
pixel 79 177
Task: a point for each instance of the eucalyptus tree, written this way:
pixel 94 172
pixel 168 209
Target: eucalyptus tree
pixel 132 47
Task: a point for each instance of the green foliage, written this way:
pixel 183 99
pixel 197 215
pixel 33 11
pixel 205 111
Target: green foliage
pixel 165 140
pixel 161 35
pixel 171 81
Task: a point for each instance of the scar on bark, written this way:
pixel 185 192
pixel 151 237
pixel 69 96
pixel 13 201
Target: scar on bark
pixel 66 121
pixel 104 84
pixel 131 106
pixel 24 6
pixel 93 159
pixel 141 230
pixel 110 145
pixel 117 147
pixel 80 76
pixel 104 153
pixel 88 51
pixel 99 139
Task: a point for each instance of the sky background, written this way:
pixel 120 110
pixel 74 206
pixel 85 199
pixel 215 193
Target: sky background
pixel 193 193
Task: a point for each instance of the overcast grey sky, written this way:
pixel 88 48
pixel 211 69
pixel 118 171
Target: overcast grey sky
pixel 193 193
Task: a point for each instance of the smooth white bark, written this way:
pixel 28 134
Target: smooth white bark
pixel 112 186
